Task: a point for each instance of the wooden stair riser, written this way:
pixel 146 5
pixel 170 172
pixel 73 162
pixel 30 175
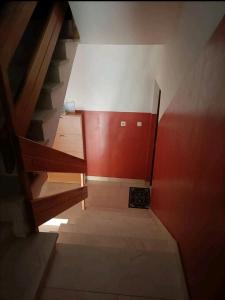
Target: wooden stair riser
pixel 34 80
pixel 41 130
pixel 69 30
pixel 51 99
pixel 46 129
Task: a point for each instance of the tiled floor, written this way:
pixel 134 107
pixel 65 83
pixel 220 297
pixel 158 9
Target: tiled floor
pixel 110 251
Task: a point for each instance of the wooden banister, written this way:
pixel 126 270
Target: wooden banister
pixel 28 97
pixel 37 157
pixel 48 207
pixel 12 26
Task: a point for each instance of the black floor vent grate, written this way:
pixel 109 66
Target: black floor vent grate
pixel 139 197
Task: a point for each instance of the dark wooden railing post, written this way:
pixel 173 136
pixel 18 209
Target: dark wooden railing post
pixel 82 175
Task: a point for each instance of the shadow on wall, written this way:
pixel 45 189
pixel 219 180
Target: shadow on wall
pixel 188 186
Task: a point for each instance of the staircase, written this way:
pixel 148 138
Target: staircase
pixel 37 50
pixel 49 106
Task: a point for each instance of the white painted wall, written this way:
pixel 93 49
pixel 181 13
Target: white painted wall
pixel 112 78
pixel 125 22
pixel 120 77
pixel 172 62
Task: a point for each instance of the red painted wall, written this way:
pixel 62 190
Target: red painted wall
pixel 189 177
pixel 115 151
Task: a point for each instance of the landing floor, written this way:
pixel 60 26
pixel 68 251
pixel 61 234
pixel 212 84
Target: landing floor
pixel 113 252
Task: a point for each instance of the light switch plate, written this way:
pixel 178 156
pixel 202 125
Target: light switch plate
pixel 139 124
pixel 123 123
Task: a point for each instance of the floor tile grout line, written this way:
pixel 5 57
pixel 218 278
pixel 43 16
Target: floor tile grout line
pixel 105 293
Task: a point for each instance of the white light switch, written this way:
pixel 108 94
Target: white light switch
pixel 123 123
pixel 139 124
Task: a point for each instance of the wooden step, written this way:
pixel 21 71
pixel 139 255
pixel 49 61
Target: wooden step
pixel 59 62
pixel 50 96
pixel 69 30
pixel 61 49
pixel 37 183
pixel 55 70
pixel 24 265
pixel 66 48
pixel 43 124
pixel 51 86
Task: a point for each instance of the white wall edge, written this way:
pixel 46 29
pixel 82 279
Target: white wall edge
pixel 114 179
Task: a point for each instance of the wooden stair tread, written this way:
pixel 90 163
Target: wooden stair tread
pixel 59 62
pixel 25 261
pixel 44 143
pixel 43 115
pixel 49 86
pixel 63 40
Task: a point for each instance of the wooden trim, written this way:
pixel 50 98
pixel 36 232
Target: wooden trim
pixel 64 177
pixel 12 27
pixel 48 207
pixel 81 113
pixel 155 138
pixel 83 135
pixel 38 69
pixel 82 177
pixel 37 157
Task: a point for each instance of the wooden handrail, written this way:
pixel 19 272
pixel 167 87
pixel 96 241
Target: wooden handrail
pixel 38 69
pixel 48 207
pixel 37 157
pixel 12 26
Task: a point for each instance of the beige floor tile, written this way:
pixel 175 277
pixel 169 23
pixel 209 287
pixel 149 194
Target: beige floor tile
pixel 62 294
pixel 114 270
pixel 112 249
pixel 143 230
pixel 48 228
pixel 116 242
pixel 23 265
pixel 138 298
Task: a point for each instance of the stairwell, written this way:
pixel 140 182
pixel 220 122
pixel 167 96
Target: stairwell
pixel 103 252
pixel 113 252
pixel 37 53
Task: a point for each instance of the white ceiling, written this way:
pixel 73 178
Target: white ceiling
pixel 125 22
